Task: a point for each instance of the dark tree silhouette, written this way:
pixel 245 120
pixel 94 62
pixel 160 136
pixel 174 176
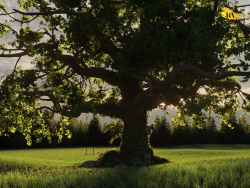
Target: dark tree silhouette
pixel 163 132
pixel 177 48
pixel 232 134
pixel 95 131
pixel 211 132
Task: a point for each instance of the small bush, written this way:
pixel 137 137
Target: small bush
pixel 108 158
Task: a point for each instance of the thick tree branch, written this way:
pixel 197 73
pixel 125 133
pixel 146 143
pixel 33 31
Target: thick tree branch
pixel 17 19
pixel 77 53
pixel 177 93
pixel 17 49
pixel 14 55
pixel 193 69
pixel 215 5
pixel 69 12
pixel 142 23
pixel 243 5
pixel 164 85
pixel 106 75
pixel 144 79
pixel 141 72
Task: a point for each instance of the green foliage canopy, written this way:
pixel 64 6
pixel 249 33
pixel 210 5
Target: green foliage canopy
pixel 178 47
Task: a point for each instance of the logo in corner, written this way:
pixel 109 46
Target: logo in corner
pixel 229 14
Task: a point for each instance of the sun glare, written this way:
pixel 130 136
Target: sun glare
pixel 162 104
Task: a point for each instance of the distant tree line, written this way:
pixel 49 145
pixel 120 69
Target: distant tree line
pixel 163 134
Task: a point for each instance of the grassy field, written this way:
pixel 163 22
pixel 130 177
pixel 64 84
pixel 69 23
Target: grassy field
pixel 191 166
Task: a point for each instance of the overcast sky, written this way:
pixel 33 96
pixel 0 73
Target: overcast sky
pixel 7 64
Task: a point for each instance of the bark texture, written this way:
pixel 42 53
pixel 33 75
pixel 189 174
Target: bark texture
pixel 134 141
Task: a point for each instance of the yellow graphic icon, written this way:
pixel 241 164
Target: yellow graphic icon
pixel 229 14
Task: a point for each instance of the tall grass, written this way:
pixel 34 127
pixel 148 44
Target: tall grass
pixel 191 166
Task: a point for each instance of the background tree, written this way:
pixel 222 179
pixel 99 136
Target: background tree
pixel 180 134
pixel 108 134
pixel 248 134
pixel 153 126
pixel 243 122
pixel 232 133
pixel 54 138
pixel 211 132
pixel 198 131
pixel 13 141
pixel 246 127
pixel 177 48
pixel 75 125
pixel 163 137
pixel 95 131
pixel 81 134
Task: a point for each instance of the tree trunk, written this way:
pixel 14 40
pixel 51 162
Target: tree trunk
pixel 134 139
pixel 135 136
pixel 134 142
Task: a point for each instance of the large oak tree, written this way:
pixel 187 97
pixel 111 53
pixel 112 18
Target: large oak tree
pixel 178 47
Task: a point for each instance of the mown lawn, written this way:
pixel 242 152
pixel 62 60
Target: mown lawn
pixel 191 166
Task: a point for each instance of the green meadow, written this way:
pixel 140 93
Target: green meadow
pixel 201 166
